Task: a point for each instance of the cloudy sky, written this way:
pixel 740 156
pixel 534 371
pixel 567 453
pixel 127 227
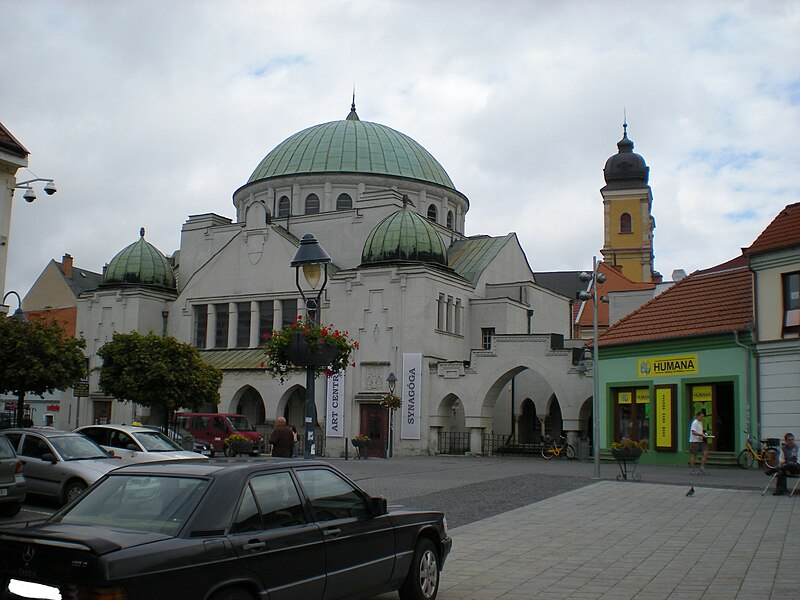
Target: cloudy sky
pixel 147 112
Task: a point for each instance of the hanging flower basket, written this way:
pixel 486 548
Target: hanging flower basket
pixel 391 402
pixel 304 344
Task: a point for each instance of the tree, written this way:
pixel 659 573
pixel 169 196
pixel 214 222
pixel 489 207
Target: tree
pixel 159 372
pixel 38 357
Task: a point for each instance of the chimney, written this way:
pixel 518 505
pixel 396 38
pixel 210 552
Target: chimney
pixel 66 266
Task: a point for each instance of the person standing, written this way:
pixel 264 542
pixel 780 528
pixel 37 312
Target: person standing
pixel 698 443
pixel 294 444
pixel 282 439
pixel 788 464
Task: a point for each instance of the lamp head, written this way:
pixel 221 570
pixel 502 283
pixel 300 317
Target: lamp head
pixel 601 278
pixel 391 381
pixel 584 296
pixel 584 276
pixel 29 195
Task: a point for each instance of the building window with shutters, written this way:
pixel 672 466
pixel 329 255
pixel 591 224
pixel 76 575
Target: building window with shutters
pixel 312 204
pixel 242 324
pixel 221 330
pixel 200 325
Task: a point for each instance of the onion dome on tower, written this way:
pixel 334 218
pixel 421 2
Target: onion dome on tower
pixel 404 237
pixel 626 169
pixel 140 264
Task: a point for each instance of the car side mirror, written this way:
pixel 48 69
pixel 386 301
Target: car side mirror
pixel 49 457
pixel 378 506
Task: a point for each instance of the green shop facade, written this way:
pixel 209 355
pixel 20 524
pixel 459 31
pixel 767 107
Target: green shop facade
pixel 652 390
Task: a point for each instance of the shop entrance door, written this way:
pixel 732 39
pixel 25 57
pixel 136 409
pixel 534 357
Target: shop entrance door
pixel 717 400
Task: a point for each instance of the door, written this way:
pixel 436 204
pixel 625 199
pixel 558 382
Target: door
pixel 375 425
pixel 717 400
pixel 42 476
pixel 275 539
pixel 359 548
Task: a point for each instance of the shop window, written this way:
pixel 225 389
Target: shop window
pixel 449 219
pixel 200 325
pixel 283 206
pixel 625 223
pixel 312 204
pixel 791 303
pixel 487 333
pixel 344 202
pixel 432 214
pixel 289 309
pixel 631 413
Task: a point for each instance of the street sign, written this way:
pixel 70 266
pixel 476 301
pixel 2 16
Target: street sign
pixel 81 389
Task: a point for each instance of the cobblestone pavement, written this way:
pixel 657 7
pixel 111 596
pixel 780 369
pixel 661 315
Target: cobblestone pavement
pixel 527 529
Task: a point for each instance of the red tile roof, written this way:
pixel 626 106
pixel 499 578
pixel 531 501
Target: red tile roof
pixel 783 232
pixel 704 303
pixel 65 317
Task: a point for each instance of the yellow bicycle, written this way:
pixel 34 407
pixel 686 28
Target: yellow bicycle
pixel 560 447
pixel 767 455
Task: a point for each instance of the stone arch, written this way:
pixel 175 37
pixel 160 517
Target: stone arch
pixel 247 401
pixel 553 417
pixel 586 419
pixel 292 406
pixel 452 415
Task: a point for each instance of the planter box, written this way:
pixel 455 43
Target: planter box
pixel 626 453
pixel 300 353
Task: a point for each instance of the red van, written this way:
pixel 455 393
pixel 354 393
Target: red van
pixel 214 428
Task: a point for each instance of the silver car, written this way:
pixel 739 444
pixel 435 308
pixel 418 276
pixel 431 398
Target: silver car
pixel 136 443
pixel 12 481
pixel 59 464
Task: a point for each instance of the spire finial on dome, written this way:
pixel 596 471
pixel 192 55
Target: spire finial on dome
pixel 141 232
pixel 624 122
pixel 353 116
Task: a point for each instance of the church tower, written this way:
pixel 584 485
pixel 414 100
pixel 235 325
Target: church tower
pixel 628 222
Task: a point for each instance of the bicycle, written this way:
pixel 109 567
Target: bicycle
pixel 767 455
pixel 552 448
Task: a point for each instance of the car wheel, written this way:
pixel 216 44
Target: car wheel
pixel 10 509
pixel 72 490
pixel 231 594
pixel 422 581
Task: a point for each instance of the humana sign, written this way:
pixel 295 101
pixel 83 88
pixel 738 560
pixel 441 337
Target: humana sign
pixel 661 366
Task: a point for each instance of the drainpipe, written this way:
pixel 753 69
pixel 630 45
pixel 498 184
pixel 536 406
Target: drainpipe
pixel 748 377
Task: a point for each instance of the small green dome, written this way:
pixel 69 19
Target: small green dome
pixel 352 146
pixel 404 236
pixel 141 263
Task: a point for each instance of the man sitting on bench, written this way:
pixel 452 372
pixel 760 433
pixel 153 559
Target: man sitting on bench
pixel 788 464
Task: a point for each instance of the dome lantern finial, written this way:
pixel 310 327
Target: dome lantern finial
pixel 141 232
pixel 353 116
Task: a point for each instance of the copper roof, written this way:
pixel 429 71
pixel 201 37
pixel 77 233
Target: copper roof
pixel 704 303
pixel 783 232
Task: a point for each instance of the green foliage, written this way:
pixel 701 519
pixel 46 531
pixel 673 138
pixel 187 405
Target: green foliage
pixel 156 371
pixel 37 357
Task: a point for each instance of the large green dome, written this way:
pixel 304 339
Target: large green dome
pixel 404 236
pixel 352 146
pixel 141 263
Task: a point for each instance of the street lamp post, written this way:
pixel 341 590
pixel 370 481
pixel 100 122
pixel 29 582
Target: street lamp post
pixel 391 381
pixel 18 315
pixel 595 278
pixel 314 261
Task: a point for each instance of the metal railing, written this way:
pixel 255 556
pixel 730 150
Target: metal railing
pixel 457 442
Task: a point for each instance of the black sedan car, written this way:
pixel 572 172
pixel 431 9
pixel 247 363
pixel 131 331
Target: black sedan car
pixel 272 529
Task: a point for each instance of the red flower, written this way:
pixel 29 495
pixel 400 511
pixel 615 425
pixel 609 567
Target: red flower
pixel 355 345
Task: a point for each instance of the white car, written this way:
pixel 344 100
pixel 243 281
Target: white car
pixel 137 444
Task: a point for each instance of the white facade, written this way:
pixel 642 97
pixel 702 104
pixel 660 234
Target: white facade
pixel 233 276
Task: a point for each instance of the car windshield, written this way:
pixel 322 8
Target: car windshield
pixel 155 441
pixel 77 447
pixel 239 424
pixel 158 504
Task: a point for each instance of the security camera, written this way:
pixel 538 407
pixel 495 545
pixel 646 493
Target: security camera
pixel 29 196
pixel 49 188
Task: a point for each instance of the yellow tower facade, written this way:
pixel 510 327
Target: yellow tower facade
pixel 627 214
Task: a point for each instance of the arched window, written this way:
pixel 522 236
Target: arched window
pixel 625 223
pixel 449 219
pixel 344 202
pixel 312 204
pixel 432 213
pixel 283 207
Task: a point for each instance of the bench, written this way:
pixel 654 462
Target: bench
pixel 796 483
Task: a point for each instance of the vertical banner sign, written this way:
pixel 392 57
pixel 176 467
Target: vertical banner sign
pixel 664 431
pixel 412 395
pixel 334 423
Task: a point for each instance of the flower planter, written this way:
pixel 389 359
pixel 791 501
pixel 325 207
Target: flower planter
pixel 626 453
pixel 239 448
pixel 300 353
pixel 362 446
